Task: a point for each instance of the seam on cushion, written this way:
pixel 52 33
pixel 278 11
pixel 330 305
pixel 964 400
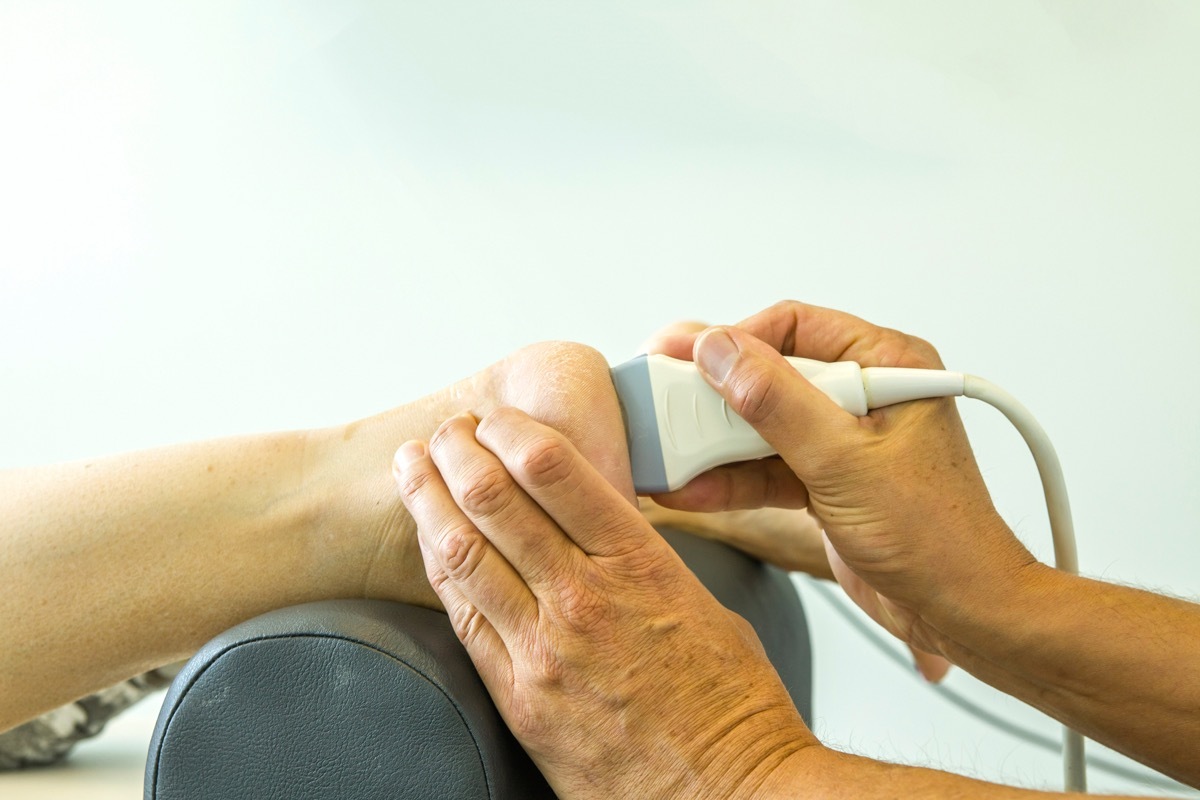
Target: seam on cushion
pixel 269 637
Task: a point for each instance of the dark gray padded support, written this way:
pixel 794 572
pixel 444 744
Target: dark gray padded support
pixel 339 699
pixel 369 699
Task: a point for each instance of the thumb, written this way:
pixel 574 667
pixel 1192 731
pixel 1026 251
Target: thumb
pixel 798 420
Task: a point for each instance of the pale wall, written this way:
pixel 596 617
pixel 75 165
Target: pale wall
pixel 215 220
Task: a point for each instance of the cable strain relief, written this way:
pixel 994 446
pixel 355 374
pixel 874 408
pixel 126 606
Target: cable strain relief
pixel 887 386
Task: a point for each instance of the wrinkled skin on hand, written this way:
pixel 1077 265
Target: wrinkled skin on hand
pixel 617 671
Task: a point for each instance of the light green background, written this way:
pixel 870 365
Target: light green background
pixel 224 217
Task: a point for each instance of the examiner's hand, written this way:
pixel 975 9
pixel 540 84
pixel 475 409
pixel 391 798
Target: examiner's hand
pixel 911 530
pixel 618 672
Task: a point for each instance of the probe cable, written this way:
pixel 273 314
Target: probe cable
pixel 1062 527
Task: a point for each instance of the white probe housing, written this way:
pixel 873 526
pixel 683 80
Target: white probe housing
pixel 678 426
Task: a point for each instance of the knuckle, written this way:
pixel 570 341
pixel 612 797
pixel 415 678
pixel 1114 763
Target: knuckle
pixel 791 315
pixel 650 571
pixel 505 415
pixel 414 483
pixel 439 581
pixel 744 631
pixel 530 721
pixel 725 495
pixel 900 349
pixel 924 353
pixel 461 550
pixel 781 488
pixel 501 424
pixel 467 621
pixel 443 433
pixel 487 492
pixel 545 462
pixel 581 607
pixel 550 666
pixel 755 393
pixel 733 490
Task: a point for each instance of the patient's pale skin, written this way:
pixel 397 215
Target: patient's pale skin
pixel 622 677
pixel 117 565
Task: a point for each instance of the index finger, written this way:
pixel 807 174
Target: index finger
pixel 593 513
pixel 799 329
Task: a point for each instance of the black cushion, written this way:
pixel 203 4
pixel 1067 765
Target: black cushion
pixel 371 699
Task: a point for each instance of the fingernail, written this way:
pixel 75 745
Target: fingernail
pixel 715 353
pixel 408 453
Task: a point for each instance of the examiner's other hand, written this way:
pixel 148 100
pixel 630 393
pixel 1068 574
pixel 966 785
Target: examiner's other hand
pixel 618 672
pixel 912 533
pixel 562 384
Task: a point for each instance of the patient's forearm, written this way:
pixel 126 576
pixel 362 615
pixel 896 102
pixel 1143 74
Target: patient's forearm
pixel 113 566
pixel 116 565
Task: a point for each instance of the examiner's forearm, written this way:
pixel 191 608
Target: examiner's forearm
pixel 818 773
pixel 1118 664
